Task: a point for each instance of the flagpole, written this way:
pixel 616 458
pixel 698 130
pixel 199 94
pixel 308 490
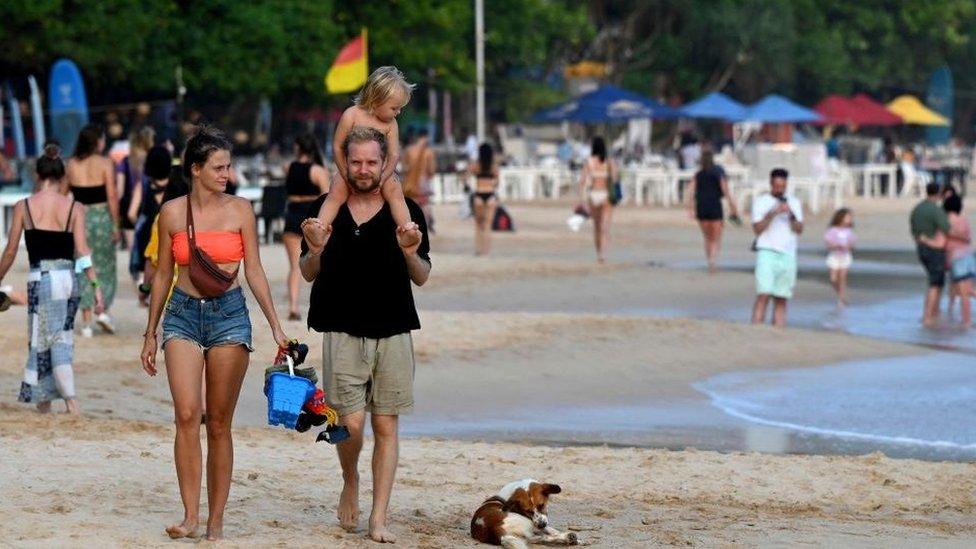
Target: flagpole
pixel 479 49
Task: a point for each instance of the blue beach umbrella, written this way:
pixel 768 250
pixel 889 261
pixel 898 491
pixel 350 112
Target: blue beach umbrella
pixel 776 109
pixel 605 104
pixel 715 105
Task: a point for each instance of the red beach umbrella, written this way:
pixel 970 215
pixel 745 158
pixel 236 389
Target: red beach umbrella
pixel 873 113
pixel 837 110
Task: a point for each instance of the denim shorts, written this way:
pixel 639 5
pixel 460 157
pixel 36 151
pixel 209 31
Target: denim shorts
pixel 208 322
pixel 963 268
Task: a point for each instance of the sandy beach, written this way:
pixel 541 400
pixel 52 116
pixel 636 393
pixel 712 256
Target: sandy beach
pixel 535 334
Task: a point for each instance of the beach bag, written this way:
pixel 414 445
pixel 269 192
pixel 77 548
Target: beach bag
pixel 287 393
pixel 502 221
pixel 616 190
pixel 209 279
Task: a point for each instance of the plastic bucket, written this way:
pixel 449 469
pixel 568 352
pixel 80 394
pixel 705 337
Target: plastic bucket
pixel 287 394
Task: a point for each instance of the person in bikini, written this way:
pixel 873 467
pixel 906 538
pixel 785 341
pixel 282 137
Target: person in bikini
pixel 203 326
pixel 376 106
pixel 595 187
pixel 485 174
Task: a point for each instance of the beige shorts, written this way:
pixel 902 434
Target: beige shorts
pixel 375 375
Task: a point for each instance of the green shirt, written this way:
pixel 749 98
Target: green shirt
pixel 928 218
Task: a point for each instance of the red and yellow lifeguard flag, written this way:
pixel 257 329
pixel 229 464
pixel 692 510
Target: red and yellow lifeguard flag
pixel 350 68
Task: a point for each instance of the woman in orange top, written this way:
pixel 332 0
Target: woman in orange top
pixel 215 331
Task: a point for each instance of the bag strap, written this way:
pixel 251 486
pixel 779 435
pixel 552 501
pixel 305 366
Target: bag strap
pixel 190 231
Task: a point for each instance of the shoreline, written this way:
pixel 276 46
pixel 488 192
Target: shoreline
pixel 570 359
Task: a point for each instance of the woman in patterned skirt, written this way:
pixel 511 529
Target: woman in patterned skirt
pixel 54 229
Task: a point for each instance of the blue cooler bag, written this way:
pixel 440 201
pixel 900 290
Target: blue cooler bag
pixel 287 393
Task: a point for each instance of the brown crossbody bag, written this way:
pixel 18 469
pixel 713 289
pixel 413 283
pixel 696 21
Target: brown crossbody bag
pixel 207 277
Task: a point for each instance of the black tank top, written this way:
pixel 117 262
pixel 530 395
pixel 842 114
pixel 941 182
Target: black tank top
pixel 90 195
pixel 298 182
pixel 44 244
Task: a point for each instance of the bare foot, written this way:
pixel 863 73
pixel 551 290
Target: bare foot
pixel 348 510
pixel 44 407
pixel 215 529
pixel 72 406
pixel 185 529
pixel 380 534
pixel 215 533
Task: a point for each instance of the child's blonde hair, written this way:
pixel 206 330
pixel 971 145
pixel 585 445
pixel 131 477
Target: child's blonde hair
pixel 380 87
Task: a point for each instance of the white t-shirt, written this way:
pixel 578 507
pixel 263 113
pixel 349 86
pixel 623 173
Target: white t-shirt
pixel 778 236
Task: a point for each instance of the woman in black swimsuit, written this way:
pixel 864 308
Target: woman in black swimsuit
pixel 485 202
pixel 307 179
pixel 705 204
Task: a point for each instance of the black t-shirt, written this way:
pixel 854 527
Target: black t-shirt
pixel 363 288
pixel 708 185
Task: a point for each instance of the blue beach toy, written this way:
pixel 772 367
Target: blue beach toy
pixel 287 393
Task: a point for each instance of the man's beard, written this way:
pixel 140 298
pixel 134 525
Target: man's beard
pixel 356 184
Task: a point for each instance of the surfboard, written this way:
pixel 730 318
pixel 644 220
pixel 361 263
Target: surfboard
pixel 37 116
pixel 68 104
pixel 16 124
pixel 940 99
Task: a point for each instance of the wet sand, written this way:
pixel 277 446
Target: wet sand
pixel 536 343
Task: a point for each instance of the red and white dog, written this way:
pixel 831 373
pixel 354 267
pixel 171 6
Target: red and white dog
pixel 516 515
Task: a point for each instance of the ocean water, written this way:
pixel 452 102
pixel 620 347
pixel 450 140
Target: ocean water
pixel 925 402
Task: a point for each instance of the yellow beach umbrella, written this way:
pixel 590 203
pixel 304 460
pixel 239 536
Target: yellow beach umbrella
pixel 914 112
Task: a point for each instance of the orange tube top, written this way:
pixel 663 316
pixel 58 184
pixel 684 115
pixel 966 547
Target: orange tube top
pixel 221 246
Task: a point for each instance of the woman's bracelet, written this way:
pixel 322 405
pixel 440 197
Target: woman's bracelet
pixel 95 284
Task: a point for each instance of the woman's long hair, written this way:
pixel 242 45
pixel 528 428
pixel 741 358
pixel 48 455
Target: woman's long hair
pixel 140 142
pixel 307 144
pixel 88 138
pixel 486 160
pixel 599 149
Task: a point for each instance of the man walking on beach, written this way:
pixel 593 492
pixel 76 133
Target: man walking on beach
pixel 930 226
pixel 777 219
pixel 363 304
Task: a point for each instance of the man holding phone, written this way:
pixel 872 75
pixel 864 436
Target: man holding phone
pixel 777 220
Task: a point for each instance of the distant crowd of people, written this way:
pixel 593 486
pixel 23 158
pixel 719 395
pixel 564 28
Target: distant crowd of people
pixel 360 236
